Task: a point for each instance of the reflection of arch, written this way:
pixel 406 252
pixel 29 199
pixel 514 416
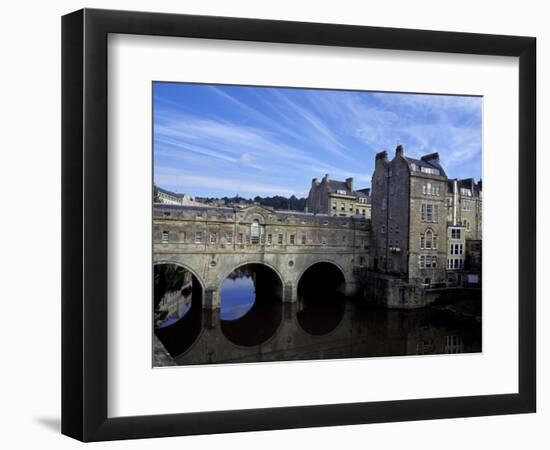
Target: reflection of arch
pixel 261 322
pixel 194 272
pixel 181 335
pixel 321 292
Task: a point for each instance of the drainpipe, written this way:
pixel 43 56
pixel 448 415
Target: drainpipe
pixel 455 201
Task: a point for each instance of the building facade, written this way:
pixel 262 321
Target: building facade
pixel 338 198
pixel 211 242
pixel 421 220
pixel 172 198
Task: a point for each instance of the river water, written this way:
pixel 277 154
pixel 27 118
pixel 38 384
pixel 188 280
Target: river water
pixel 254 325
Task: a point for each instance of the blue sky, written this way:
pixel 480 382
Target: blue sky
pixel 212 140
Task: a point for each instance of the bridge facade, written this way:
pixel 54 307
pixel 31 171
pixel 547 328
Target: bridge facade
pixel 212 242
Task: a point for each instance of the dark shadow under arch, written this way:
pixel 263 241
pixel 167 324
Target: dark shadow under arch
pixel 321 298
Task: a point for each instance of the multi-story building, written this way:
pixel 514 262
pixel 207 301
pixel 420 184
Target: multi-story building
pixel 338 198
pixel 421 220
pixel 172 198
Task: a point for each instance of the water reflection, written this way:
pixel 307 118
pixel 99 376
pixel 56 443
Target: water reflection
pixel 237 295
pixel 251 305
pixel 177 307
pixel 254 324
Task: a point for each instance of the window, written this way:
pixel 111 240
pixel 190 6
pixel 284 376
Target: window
pixel 430 213
pixel 364 213
pixel 166 214
pixel 361 261
pixel 427 261
pixel 384 203
pixel 240 238
pixel 304 239
pixel 351 208
pixel 344 239
pixel 455 233
pixel 255 231
pixel 280 239
pixel 343 207
pixel 428 240
pixel 213 238
pixel 323 240
pixel 430 189
pixel 383 229
pixel 334 206
pixel 269 239
pixel 392 189
pixel 466 224
pixel 457 249
pixel 165 236
pixel 466 205
pixel 429 170
pixel 466 192
pixel 292 239
pixel 341 191
pixel 198 237
pixel 229 236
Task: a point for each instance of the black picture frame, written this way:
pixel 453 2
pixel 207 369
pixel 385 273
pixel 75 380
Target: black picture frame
pixel 84 224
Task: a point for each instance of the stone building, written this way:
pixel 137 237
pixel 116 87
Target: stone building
pixel 464 224
pixel 161 195
pixel 421 220
pixel 338 198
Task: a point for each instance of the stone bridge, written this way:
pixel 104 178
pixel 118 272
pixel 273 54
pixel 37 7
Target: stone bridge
pixel 211 242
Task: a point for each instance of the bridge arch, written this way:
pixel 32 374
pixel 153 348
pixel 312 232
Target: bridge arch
pixel 183 266
pixel 226 273
pixel 324 261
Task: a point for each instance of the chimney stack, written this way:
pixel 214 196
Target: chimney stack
pixel 382 155
pixel 399 150
pixel 326 178
pixel 349 183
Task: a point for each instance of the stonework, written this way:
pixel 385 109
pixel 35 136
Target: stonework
pixel 213 242
pixel 415 233
pixel 338 198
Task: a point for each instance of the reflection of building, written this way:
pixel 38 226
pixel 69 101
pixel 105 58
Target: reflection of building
pixel 172 198
pixel 177 302
pixel 422 221
pixel 338 198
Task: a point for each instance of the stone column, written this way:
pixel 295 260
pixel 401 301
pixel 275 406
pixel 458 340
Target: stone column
pixel 210 318
pixel 211 298
pixel 290 293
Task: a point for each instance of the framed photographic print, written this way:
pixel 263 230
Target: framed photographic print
pixel 273 224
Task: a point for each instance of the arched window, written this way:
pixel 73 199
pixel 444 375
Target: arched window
pixel 255 231
pixel 428 240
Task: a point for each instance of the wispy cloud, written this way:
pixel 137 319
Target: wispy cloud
pixel 268 140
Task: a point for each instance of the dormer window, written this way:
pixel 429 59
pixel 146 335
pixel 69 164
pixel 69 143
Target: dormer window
pixel 341 191
pixel 429 170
